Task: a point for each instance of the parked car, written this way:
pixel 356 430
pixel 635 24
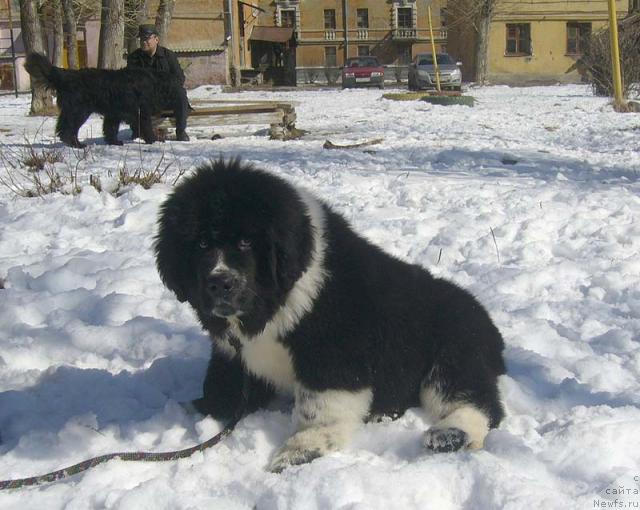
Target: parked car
pixel 362 72
pixel 422 72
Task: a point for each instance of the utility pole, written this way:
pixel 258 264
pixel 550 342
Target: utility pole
pixel 618 100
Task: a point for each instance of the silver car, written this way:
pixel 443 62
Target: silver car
pixel 422 72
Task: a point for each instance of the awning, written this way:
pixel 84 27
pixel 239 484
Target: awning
pixel 272 34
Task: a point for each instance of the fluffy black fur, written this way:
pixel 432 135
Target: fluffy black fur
pixel 376 322
pixel 122 95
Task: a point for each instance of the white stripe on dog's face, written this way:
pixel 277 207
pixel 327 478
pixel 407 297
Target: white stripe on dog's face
pixel 264 355
pixel 221 265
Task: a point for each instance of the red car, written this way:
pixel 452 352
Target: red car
pixel 362 72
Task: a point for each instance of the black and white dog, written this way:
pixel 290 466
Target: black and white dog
pixel 293 298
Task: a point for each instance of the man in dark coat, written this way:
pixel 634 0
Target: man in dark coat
pixel 152 56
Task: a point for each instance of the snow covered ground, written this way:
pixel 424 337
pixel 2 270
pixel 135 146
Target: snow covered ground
pixel 531 200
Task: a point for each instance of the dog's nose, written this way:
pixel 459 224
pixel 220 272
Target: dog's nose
pixel 221 285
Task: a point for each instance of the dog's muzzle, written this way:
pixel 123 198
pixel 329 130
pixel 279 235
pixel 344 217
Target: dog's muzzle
pixel 226 292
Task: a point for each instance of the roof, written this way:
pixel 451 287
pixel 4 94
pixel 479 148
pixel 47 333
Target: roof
pixel 272 34
pixel 187 49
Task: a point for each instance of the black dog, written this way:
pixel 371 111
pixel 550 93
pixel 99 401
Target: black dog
pixel 293 298
pixel 129 95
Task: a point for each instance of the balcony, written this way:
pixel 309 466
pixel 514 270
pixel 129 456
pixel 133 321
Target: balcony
pixel 405 34
pixel 362 34
pixel 329 35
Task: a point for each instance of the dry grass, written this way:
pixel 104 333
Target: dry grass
pixel 34 170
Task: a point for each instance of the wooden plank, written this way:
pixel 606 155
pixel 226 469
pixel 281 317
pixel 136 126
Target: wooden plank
pixel 280 116
pixel 224 110
pixel 227 119
pixel 248 101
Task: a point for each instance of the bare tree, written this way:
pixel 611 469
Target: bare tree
pixel 135 15
pixel 595 63
pixel 71 33
pixel 32 36
pixel 163 17
pixel 482 22
pixel 58 33
pixel 472 19
pixel 110 46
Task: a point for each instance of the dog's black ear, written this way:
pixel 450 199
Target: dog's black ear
pixel 172 259
pixel 171 270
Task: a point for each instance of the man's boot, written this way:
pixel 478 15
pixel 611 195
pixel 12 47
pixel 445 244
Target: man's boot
pixel 182 136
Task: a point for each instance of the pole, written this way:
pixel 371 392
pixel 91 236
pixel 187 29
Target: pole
pixel 345 22
pixel 13 50
pixel 433 51
pixel 618 100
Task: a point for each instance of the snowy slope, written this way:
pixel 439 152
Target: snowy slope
pixel 531 200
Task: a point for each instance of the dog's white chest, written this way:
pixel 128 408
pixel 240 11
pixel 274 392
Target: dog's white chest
pixel 267 358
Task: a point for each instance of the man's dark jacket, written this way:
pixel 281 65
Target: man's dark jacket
pixel 164 60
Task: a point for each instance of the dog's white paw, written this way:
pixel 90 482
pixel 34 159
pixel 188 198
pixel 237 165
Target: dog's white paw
pixel 292 456
pixel 442 440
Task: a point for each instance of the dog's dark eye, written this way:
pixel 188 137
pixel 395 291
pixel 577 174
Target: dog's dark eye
pixel 244 245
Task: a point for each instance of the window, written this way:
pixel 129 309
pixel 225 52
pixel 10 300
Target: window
pixel 404 56
pixel 330 19
pixel 363 18
pixel 518 39
pixel 288 18
pixel 363 51
pixel 405 17
pixel 330 59
pixel 443 17
pixel 577 37
pixel 634 5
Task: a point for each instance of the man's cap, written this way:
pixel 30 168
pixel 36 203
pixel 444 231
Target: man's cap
pixel 146 31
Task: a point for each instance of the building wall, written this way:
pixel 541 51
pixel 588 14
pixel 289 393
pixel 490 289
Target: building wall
pixel 548 20
pixel 548 62
pixel 392 47
pixel 197 35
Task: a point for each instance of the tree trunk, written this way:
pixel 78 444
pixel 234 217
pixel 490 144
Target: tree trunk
pixel 58 34
pixel 111 45
pixel 71 33
pixel 135 15
pixel 41 99
pixel 482 25
pixel 163 18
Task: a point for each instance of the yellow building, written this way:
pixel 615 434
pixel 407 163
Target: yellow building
pixel 535 41
pixel 197 35
pixel 307 41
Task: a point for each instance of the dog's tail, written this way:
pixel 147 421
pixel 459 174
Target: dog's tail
pixel 41 70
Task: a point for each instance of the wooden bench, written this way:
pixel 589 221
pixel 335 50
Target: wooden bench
pixel 279 116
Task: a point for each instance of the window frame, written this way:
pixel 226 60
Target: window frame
pixel 583 31
pixel 332 19
pixel 327 50
pixel 289 12
pixel 518 39
pixel 362 14
pixel 399 18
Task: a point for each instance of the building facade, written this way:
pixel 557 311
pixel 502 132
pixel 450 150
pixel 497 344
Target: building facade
pixel 535 41
pixel 197 34
pixel 307 41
